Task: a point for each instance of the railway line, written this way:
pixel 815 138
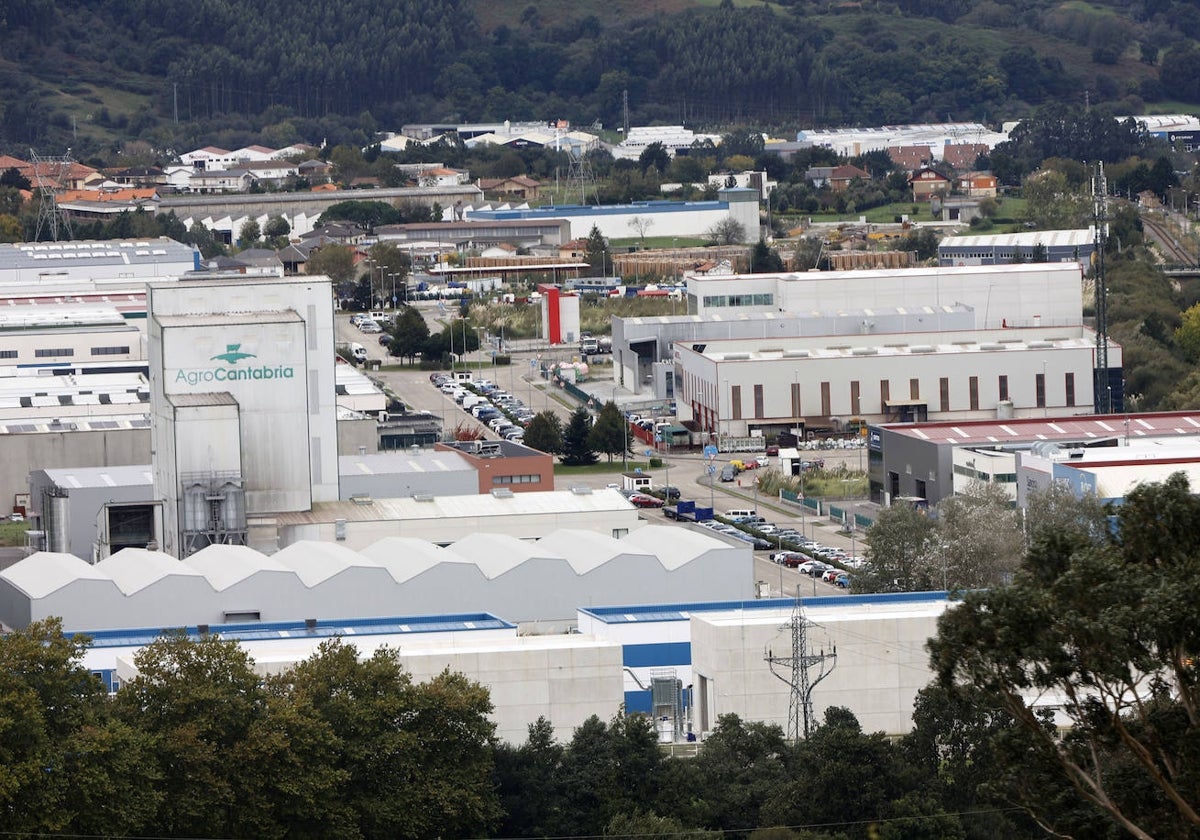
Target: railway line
pixel 1162 235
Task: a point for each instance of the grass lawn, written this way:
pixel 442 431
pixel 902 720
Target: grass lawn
pixel 13 533
pixel 603 467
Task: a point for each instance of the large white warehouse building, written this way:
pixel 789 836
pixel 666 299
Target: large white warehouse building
pixel 742 386
pixel 539 583
pixel 1049 294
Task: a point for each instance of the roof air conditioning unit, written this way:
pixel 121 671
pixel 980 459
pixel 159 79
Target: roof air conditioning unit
pixel 501 493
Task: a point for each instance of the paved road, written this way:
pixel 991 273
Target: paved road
pixel 687 471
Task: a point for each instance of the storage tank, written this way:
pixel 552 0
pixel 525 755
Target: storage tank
pixel 1004 410
pixel 54 517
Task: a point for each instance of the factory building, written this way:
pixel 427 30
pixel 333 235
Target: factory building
pixel 741 387
pixel 665 218
pixel 1044 246
pixel 244 406
pixel 931 461
pixel 1048 294
pixel 535 583
pixel 92 267
pixel 565 679
pixel 642 346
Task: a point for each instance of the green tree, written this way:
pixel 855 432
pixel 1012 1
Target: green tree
pixel 978 536
pixel 576 450
pixel 1187 334
pixel 596 253
pixel 335 262
pixel 726 232
pixel 529 784
pixel 1115 656
pixel 764 260
pixel 608 770
pixel 655 156
pixel 545 433
pixel 1052 203
pixel 276 231
pixel 609 433
pixel 416 759
pixel 409 334
pixel 249 234
pixel 726 785
pixel 197 701
pixel 901 553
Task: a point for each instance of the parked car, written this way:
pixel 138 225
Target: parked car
pixel 669 492
pixel 831 574
pixel 813 567
pixel 791 559
pixel 644 501
pixel 772 451
pixel 728 473
pixel 843 580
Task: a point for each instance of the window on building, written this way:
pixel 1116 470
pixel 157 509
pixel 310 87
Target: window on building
pixel 825 400
pixel 973 392
pixel 735 398
pixel 49 352
pixel 110 351
pixel 796 399
pixel 1003 387
pixel 1070 388
pixel 885 392
pixel 914 389
pixel 1040 386
pixel 944 393
pixel 855 406
pixel 516 479
pixel 8 354
pixel 758 402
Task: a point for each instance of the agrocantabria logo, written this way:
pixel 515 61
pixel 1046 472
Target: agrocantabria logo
pixel 233 372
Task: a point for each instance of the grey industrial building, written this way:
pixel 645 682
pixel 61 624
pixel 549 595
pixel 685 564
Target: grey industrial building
pixel 1056 246
pixel 535 582
pixel 926 462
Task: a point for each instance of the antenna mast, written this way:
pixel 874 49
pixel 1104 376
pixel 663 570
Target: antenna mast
pixel 799 664
pixel 50 174
pixel 1100 231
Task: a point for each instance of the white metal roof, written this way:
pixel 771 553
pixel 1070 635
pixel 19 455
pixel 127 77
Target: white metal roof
pixel 51 571
pixel 1024 239
pixel 133 569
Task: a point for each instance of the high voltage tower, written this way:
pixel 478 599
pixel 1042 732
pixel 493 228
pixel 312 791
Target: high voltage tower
pixel 580 177
pixel 799 664
pixel 50 174
pixel 1100 227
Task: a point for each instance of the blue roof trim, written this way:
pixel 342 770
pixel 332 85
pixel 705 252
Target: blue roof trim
pixel 656 655
pixel 324 629
pixel 639 701
pixel 679 612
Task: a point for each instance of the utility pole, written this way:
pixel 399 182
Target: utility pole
pixel 1100 220
pixel 799 664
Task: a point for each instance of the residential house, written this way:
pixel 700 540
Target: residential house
pixel 139 176
pixel 271 172
pixel 818 176
pixel 960 156
pixel 842 176
pixel 339 234
pixel 927 182
pixel 442 176
pixel 315 170
pixel 978 184
pixel 575 250
pixel 220 181
pixel 910 158
pixel 519 186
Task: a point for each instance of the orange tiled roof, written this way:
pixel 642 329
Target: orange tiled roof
pixel 139 194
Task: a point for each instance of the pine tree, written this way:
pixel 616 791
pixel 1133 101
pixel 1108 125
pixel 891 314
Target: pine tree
pixel 576 451
pixel 609 433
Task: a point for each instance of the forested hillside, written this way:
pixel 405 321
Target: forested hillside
pixel 91 73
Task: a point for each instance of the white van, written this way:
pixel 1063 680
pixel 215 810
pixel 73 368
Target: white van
pixel 358 352
pixel 738 515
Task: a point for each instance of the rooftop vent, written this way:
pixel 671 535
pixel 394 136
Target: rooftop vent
pixel 582 491
pixel 795 354
pixel 423 497
pixel 502 493
pixel 361 499
pixel 865 351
